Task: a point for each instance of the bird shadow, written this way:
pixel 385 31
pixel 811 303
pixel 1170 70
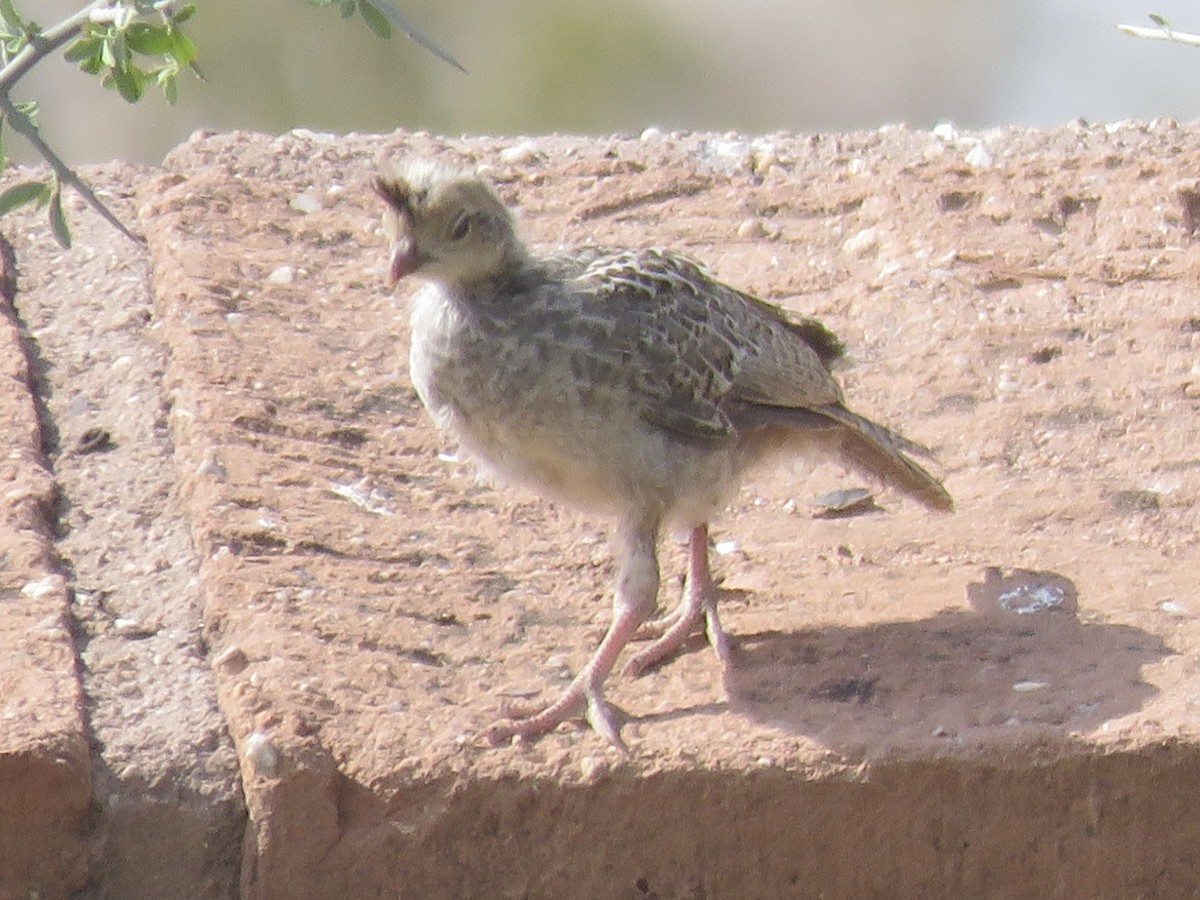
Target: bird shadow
pixel 1019 658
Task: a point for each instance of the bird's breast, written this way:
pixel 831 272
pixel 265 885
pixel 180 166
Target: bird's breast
pixel 539 403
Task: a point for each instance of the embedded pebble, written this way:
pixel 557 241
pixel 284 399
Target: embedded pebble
pixel 363 495
pixel 763 158
pixel 863 243
pixel 232 658
pixel 752 228
pixel 132 627
pixel 945 131
pixel 282 275
pixel 978 157
pixel 43 586
pixel 262 756
pixel 996 209
pixel 521 154
pixel 305 202
pixel 592 767
pixel 1024 687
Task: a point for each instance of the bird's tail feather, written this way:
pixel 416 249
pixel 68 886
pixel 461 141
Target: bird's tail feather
pixel 881 453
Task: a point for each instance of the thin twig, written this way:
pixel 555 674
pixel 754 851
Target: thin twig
pixel 44 44
pixel 23 126
pixel 38 49
pixel 1161 34
pixel 413 33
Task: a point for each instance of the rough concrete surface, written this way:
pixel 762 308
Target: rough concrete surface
pixel 274 551
pixel 165 779
pixel 45 779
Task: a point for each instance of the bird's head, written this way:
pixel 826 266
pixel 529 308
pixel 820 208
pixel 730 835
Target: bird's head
pixel 445 225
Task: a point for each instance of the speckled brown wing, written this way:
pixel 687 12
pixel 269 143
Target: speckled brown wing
pixel 707 362
pixel 699 349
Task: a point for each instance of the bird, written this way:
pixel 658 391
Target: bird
pixel 626 382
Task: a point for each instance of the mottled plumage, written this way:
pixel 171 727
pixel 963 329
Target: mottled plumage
pixel 629 382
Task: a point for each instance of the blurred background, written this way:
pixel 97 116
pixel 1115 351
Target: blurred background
pixel 604 66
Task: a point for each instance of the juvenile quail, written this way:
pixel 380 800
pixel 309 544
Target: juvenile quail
pixel 627 382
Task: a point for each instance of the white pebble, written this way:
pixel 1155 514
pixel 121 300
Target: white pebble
pixel 521 154
pixel 1024 687
pixel 43 586
pixel 888 271
pixel 262 756
pixel 305 203
pixel 282 275
pixel 945 131
pixel 651 134
pixel 129 626
pixel 978 157
pixel 752 228
pixel 232 657
pixel 863 243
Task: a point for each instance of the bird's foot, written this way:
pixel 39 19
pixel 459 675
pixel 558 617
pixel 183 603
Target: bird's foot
pixel 580 700
pixel 695 614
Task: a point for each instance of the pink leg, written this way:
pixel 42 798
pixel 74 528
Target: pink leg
pixel 697 609
pixel 636 593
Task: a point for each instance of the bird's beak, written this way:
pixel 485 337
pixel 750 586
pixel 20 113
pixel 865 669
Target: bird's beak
pixel 406 259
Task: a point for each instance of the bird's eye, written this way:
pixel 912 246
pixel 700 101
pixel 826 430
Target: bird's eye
pixel 460 228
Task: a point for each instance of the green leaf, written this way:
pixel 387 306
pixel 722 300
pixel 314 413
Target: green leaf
pixel 167 78
pixel 375 20
pixel 130 82
pixel 20 194
pixel 149 40
pixel 1160 21
pixel 183 15
pixel 182 49
pixel 93 65
pixel 84 48
pixel 9 14
pixel 58 221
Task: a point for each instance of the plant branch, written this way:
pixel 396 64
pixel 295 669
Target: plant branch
pixel 23 126
pixel 415 34
pixel 44 44
pixel 1161 34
